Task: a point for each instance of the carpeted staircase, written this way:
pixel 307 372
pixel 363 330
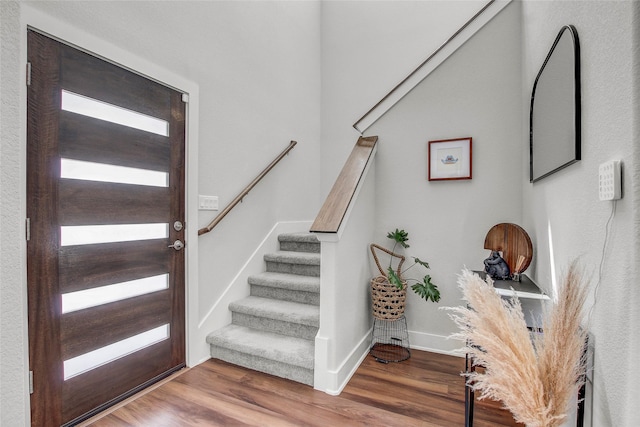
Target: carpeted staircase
pixel 273 330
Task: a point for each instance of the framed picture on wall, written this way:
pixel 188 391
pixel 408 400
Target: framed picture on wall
pixel 449 159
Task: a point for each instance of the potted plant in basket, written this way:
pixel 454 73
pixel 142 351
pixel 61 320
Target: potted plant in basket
pixel 388 290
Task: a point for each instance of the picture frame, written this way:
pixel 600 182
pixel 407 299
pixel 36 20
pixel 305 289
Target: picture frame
pixel 450 159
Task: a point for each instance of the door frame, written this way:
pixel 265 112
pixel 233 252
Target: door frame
pixel 30 18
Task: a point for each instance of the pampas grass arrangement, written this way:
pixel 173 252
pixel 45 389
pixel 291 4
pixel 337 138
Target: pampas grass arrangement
pixel 535 377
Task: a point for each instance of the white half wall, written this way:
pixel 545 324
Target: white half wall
pixel 344 335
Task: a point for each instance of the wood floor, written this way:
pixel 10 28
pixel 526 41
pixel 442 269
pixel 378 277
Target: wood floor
pixel 426 390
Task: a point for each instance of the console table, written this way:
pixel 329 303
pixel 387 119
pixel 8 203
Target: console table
pixel 532 299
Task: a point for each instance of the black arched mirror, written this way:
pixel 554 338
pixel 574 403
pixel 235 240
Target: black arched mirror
pixel 555 108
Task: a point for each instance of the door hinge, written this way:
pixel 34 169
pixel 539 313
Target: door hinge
pixel 28 229
pixel 28 73
pixel 185 98
pixel 30 382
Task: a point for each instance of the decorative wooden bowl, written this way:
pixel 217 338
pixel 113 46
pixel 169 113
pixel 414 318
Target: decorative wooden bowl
pixel 513 242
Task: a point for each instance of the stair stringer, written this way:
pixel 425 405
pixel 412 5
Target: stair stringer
pixel 238 288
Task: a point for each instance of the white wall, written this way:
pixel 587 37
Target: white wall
pixel 368 47
pixel 562 212
pixel 257 66
pixel 475 93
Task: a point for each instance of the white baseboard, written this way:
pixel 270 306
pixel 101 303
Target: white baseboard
pixel 435 343
pixel 334 381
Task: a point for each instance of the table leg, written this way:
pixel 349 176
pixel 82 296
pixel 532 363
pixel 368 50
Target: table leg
pixel 469 394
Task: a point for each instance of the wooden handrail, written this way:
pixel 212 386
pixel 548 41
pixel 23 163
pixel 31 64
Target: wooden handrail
pixel 337 202
pixel 244 192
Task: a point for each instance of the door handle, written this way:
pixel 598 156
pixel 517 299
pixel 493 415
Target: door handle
pixel 177 245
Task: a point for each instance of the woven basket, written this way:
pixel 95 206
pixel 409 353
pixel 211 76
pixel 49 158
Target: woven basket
pixel 387 301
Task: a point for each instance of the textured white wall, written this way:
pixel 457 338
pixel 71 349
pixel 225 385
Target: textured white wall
pixel 475 93
pixel 633 409
pixel 562 212
pixel 13 365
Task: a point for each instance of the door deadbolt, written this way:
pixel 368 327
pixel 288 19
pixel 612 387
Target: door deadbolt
pixel 177 226
pixel 177 245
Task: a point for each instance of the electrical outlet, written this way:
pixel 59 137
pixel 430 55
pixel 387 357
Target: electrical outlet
pixel 208 203
pixel 609 182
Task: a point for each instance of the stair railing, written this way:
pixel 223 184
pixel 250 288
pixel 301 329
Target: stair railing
pixel 246 190
pixel 477 21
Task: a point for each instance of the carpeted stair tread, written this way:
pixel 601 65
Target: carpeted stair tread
pixel 294 282
pixel 274 329
pixel 290 257
pixel 301 242
pixel 286 286
pixel 286 311
pixel 265 345
pixel 298 237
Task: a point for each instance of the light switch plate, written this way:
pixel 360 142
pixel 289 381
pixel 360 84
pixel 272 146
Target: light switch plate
pixel 207 203
pixel 609 182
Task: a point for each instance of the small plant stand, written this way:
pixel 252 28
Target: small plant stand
pixel 390 337
pixel 390 340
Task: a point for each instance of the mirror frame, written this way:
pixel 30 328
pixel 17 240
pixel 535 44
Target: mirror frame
pixel 577 104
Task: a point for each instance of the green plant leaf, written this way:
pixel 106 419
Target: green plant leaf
pixel 393 278
pixel 427 290
pixel 399 236
pixel 422 263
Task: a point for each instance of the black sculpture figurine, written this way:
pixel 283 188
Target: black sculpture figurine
pixel 496 267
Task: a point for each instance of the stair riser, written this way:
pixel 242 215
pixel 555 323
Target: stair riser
pixel 312 298
pixel 279 369
pixel 278 326
pixel 301 269
pixel 300 247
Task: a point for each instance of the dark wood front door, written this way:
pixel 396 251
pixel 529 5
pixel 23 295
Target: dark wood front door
pixel 105 202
